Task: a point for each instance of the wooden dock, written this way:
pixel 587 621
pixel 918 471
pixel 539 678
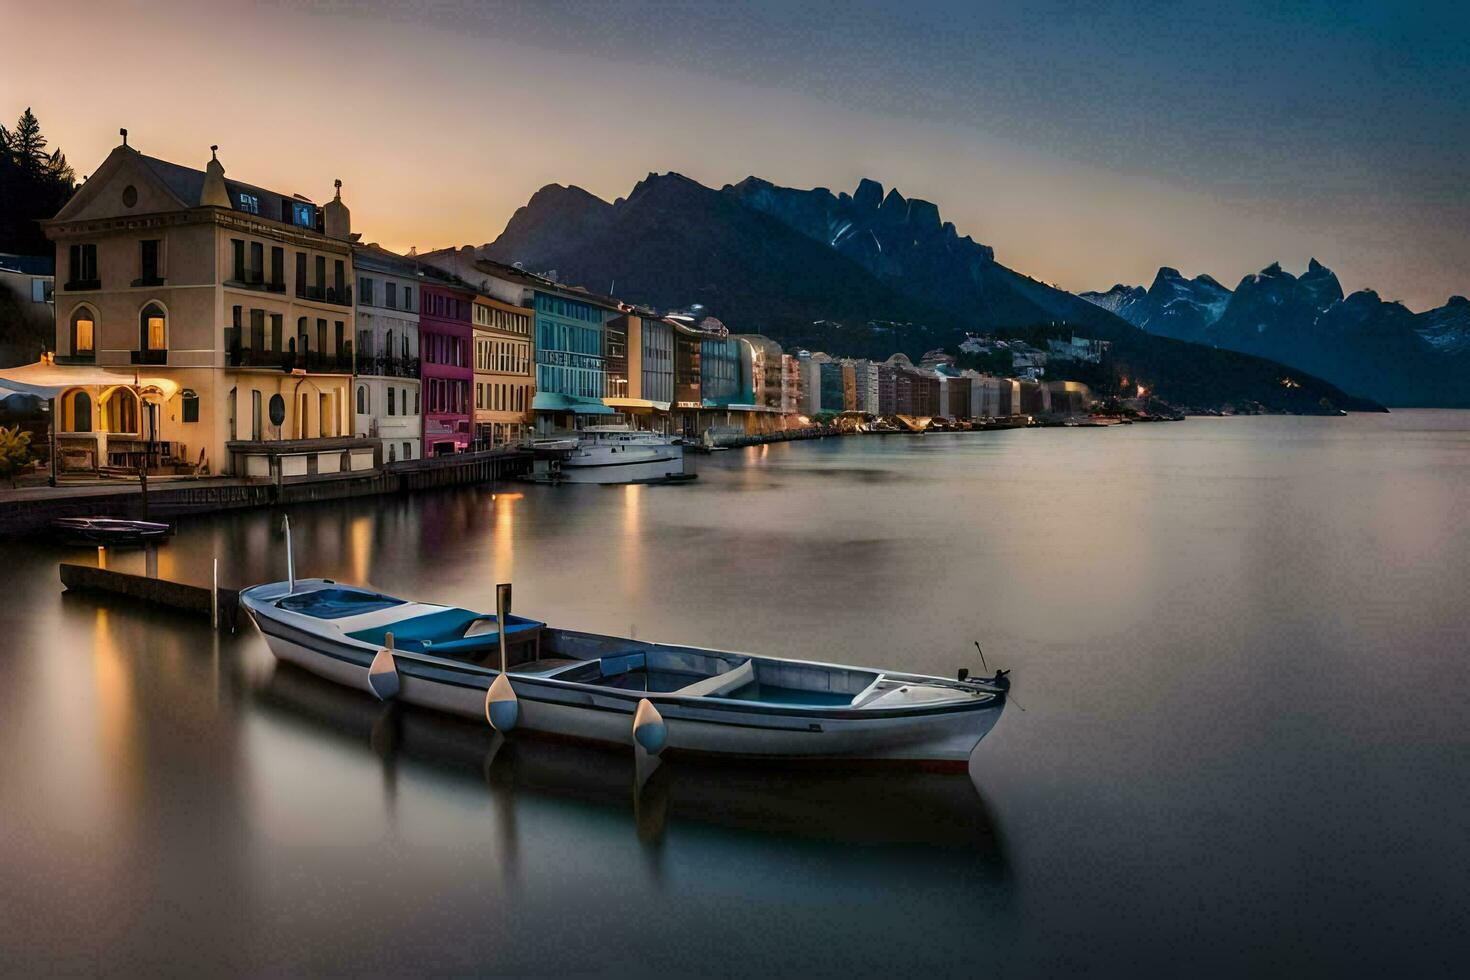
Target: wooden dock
pixel 192 599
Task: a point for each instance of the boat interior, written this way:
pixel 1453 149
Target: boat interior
pixel 588 658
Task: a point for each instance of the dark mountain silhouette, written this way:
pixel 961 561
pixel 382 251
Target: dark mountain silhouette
pixel 1359 342
pixel 865 275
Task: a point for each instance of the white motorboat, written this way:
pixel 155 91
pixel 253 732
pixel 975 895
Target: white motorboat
pixel 527 675
pixel 617 454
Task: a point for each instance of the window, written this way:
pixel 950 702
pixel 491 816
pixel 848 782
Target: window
pixel 250 203
pixel 362 402
pixel 276 331
pixel 148 262
pixel 300 273
pixel 255 272
pixel 321 336
pixel 257 329
pixel 303 215
pixel 256 423
pixel 83 268
pixel 39 292
pixel 408 299
pixel 408 450
pixel 339 334
pixel 190 404
pixel 390 295
pixel 339 281
pixel 83 333
pixel 278 268
pixel 237 246
pixel 392 455
pixel 391 401
pixel 321 276
pixel 416 403
pixel 365 287
pixel 152 332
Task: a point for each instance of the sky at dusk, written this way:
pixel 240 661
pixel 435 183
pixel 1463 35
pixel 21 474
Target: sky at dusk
pixel 1088 143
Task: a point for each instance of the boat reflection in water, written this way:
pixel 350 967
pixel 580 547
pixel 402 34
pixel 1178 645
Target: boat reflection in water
pixel 867 806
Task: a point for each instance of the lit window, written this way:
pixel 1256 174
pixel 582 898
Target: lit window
pixel 249 202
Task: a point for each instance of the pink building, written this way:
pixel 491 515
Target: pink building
pixel 446 343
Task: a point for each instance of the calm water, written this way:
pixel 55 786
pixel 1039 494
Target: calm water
pixel 1241 647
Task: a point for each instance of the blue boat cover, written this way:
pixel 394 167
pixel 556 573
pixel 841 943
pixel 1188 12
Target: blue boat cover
pixel 443 632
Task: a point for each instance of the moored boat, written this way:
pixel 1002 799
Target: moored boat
pixel 109 530
pixel 687 700
pixel 615 454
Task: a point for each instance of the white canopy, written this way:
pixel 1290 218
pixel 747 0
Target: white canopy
pixel 46 380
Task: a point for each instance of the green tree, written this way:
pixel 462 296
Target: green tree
pixel 15 452
pixel 34 185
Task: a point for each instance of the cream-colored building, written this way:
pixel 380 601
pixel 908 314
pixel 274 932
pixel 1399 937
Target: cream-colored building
pixel 239 296
pixel 504 384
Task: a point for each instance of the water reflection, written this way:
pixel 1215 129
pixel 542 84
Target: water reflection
pixel 873 807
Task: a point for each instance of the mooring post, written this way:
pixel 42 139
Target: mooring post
pixel 214 598
pixel 102 556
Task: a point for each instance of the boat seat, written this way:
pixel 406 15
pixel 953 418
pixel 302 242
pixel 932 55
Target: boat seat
pixel 447 632
pixel 730 680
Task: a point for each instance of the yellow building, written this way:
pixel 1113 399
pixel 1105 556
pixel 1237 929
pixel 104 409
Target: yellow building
pixel 504 384
pixel 239 296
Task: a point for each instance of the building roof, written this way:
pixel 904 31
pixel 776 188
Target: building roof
pixel 31 265
pixel 187 184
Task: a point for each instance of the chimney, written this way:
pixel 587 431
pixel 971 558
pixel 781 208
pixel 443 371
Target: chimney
pixel 214 193
pixel 336 218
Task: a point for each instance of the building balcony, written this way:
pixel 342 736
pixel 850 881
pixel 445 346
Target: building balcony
pixel 326 294
pixel 252 283
pixel 82 284
pixel 149 356
pixel 389 367
pixel 312 362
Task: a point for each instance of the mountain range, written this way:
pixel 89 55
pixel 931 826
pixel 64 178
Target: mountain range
pixel 862 274
pixel 1360 342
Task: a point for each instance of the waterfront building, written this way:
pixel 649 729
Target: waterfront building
pixel 766 371
pixel 571 364
pixel 446 371
pixel 831 389
pixel 887 389
pixel 791 392
pixel 956 398
pixel 30 279
pixel 504 386
pixel 386 387
pixel 235 299
pixel 811 384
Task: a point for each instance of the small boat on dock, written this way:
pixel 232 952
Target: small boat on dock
pixel 109 530
pixel 522 673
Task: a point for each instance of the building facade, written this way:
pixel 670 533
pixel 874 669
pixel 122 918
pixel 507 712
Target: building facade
pixel 504 385
pixel 446 370
pixel 237 298
pixel 387 400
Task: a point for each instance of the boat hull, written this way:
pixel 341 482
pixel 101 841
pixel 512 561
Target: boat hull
pixel 942 740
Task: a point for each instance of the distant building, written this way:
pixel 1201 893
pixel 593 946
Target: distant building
pixel 504 385
pixel 31 280
pixel 386 391
pixel 446 334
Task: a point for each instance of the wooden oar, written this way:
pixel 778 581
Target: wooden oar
pixel 502 710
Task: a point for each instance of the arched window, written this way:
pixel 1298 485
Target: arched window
pixel 77 412
pixel 120 411
pixel 362 401
pixel 190 404
pixel 83 332
pixel 152 329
